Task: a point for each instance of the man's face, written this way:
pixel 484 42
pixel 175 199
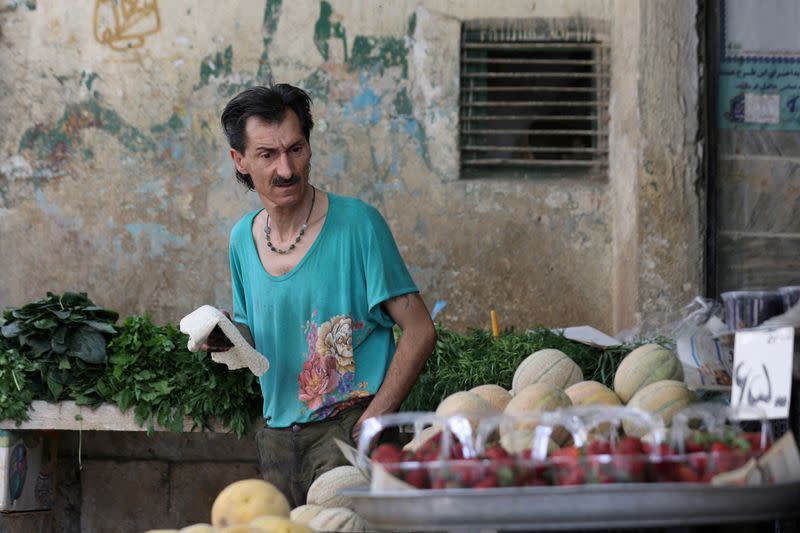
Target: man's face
pixel 278 159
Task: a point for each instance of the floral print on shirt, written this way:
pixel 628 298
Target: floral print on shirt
pixel 328 374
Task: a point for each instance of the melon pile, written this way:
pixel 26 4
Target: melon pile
pixel 649 378
pixel 256 506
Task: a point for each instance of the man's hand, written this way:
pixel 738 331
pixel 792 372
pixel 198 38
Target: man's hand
pixel 218 342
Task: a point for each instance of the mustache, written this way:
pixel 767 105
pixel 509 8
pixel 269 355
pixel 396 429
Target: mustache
pixel 291 180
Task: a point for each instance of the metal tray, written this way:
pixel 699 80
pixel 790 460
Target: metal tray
pixel 577 507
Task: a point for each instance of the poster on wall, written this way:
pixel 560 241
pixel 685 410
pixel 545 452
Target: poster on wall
pixel 759 80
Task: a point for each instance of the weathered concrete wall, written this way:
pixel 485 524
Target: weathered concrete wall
pixel 656 154
pixel 116 179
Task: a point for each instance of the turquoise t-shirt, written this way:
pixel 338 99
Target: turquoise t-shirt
pixel 321 325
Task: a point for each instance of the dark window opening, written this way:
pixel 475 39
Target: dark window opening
pixel 536 107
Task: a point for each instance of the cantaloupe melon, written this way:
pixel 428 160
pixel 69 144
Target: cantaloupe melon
pixel 591 393
pixel 468 404
pixel 645 365
pixel 663 398
pixel 304 514
pixel 326 489
pixel 240 502
pixel 496 395
pixel 338 519
pixel 537 398
pixel 546 366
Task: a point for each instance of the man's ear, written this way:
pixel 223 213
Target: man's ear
pixel 238 161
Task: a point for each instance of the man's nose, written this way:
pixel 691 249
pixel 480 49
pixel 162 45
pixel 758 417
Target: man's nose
pixel 284 169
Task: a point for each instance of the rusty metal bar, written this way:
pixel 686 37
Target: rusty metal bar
pixel 528 117
pixel 519 61
pixel 535 45
pixel 533 132
pixel 536 103
pixel 591 75
pixel 532 149
pixel 533 162
pixel 529 88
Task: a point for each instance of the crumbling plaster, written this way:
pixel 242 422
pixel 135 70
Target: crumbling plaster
pixel 115 178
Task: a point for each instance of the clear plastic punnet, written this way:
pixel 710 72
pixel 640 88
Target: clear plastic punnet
pixel 573 446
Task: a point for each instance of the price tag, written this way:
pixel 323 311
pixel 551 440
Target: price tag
pixel 762 371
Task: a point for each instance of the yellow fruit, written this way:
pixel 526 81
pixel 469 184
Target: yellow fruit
pixel 240 502
pixel 199 528
pixel 497 396
pixel 536 398
pixel 546 366
pixel 663 398
pixel 591 393
pixel 326 489
pixel 645 365
pixel 242 528
pixel 305 513
pixel 279 524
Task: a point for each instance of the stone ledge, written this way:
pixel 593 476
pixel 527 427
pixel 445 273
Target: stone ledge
pixel 106 417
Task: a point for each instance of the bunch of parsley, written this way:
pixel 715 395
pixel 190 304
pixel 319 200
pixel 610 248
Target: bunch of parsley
pixel 151 370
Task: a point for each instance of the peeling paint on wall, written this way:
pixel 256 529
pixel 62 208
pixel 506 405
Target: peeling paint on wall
pixel 130 168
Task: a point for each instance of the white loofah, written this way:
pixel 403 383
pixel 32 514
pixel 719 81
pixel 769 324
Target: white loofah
pixel 198 325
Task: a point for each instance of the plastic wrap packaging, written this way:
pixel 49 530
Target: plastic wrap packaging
pixel 705 444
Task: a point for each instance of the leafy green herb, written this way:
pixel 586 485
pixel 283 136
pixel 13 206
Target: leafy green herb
pixel 15 394
pixel 151 370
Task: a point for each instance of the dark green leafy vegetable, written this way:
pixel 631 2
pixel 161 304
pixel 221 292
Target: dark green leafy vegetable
pixel 65 337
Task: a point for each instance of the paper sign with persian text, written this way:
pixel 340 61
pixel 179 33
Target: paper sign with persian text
pixel 762 371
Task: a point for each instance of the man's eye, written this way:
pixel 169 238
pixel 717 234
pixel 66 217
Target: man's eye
pixel 266 155
pixel 297 149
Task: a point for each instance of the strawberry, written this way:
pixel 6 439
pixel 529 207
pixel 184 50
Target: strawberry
pixel 686 474
pixel 486 482
pixel 496 451
pixel 418 477
pixel 699 462
pixel 465 472
pixel 696 442
pixel 389 456
pixel 598 447
pixel 629 446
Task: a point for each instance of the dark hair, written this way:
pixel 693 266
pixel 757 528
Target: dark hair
pixel 270 104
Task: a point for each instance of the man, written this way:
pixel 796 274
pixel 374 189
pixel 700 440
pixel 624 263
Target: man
pixel 318 283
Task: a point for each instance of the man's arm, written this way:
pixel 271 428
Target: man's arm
pixel 413 350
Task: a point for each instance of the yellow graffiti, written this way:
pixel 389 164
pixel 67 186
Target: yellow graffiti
pixel 123 24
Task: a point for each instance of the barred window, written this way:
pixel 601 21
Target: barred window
pixel 534 99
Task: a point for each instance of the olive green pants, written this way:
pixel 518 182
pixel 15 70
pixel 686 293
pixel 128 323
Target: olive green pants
pixel 292 458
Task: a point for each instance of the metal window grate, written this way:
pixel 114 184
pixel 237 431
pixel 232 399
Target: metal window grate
pixel 534 98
